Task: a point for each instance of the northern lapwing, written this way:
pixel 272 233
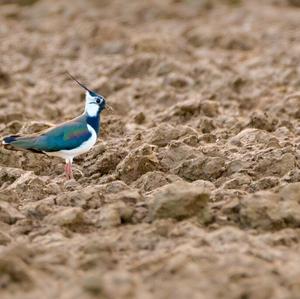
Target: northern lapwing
pixel 69 139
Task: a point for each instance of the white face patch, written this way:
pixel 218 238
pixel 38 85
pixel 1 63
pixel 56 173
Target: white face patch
pixel 91 108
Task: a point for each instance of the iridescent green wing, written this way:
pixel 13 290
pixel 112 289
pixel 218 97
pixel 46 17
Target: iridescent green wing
pixel 66 136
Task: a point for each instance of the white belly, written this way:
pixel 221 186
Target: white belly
pixel 68 155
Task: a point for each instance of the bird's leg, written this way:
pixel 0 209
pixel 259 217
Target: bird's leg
pixel 70 170
pixel 67 170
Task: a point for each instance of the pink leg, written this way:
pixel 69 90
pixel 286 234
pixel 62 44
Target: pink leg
pixel 67 171
pixel 70 171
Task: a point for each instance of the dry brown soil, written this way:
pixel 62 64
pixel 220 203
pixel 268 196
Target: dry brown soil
pixel 193 188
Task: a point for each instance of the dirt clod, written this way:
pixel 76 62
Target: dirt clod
pixel 178 200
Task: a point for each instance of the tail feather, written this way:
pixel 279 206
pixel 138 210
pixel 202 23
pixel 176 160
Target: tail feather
pixel 17 142
pixel 10 139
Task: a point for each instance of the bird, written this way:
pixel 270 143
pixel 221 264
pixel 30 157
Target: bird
pixel 66 140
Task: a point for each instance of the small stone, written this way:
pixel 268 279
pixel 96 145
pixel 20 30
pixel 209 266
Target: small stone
pixel 210 108
pixel 93 284
pixel 116 187
pixel 260 210
pixel 99 149
pixel 71 185
pixel 263 121
pixel 10 116
pixel 127 196
pixel 271 164
pixel 165 133
pixel 9 214
pixel 240 181
pixel 236 166
pixel 4 239
pixel 107 162
pixel 27 185
pixel 14 272
pixel 191 140
pixel 125 211
pixel 176 153
pixel 4 76
pixel 206 185
pixel 178 200
pixel 291 192
pixel 14 126
pixel 206 168
pixel 183 111
pixel 113 47
pixel 111 284
pixel 67 216
pixel 139 118
pixel 77 198
pixel 292 176
pixel 178 81
pixel 206 124
pixel 138 162
pixel 162 134
pixel 109 217
pixel 265 183
pixel 39 209
pixel 154 179
pixel 251 136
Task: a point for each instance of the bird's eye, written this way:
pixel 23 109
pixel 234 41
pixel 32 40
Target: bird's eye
pixel 98 101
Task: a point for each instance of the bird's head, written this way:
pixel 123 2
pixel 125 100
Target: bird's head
pixel 94 103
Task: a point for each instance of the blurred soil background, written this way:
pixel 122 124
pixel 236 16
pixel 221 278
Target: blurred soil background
pixel 193 189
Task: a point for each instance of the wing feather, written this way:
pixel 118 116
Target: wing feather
pixel 66 136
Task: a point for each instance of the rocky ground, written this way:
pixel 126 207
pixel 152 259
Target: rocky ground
pixel 193 189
